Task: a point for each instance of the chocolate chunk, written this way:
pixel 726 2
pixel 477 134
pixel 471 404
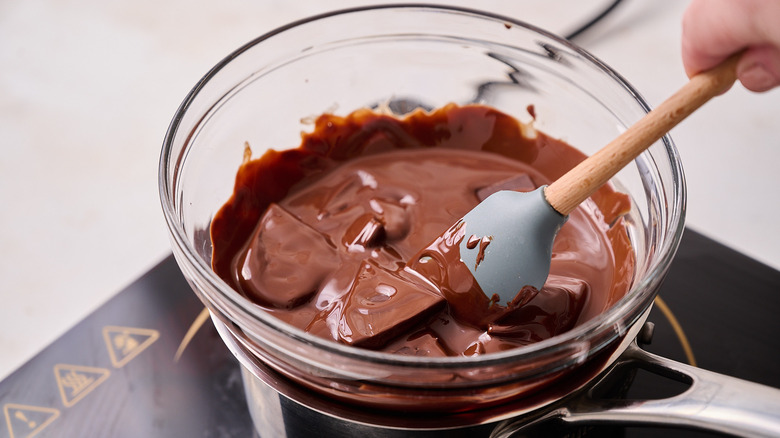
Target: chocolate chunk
pixel 366 232
pixel 345 197
pixel 519 183
pixel 383 304
pixel 551 311
pixel 285 261
pixel 388 220
pixel 393 216
pixel 526 294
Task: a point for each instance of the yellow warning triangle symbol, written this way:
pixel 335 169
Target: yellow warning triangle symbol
pixel 75 381
pixel 26 421
pixel 125 343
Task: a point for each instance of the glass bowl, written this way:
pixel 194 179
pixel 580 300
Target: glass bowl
pixel 265 93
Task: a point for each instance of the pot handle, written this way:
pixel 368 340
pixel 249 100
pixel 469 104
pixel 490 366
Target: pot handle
pixel 713 402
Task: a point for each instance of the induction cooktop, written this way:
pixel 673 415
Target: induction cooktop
pixel 149 362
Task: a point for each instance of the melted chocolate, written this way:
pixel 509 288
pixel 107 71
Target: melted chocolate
pixel 342 236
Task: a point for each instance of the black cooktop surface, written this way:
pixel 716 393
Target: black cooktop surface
pixel 148 363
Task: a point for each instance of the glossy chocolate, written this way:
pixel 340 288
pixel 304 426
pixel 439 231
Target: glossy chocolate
pixel 345 236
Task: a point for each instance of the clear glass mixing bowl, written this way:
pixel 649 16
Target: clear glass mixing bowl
pixel 410 56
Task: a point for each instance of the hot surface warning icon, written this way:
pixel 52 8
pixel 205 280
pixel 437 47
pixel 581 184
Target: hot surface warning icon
pixel 75 381
pixel 26 421
pixel 125 343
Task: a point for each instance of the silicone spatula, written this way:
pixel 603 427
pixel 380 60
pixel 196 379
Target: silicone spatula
pixel 520 228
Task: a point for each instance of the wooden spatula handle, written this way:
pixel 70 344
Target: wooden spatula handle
pixel 566 193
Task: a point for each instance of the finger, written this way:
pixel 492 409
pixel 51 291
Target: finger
pixel 759 68
pixel 716 29
pixel 711 31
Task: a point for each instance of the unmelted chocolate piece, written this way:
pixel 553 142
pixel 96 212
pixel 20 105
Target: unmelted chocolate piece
pixel 285 261
pixel 388 221
pixel 547 313
pixel 519 183
pixel 393 216
pixel 382 304
pixel 367 231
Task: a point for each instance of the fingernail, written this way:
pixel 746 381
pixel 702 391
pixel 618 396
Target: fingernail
pixel 756 77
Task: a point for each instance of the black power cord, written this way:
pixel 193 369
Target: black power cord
pixel 593 21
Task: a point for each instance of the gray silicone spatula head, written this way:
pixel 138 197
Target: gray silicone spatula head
pixel 509 236
pixel 508 241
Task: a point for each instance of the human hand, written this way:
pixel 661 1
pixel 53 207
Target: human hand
pixel 712 30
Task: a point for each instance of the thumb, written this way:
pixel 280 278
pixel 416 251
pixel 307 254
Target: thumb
pixel 759 68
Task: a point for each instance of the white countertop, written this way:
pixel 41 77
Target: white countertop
pixel 87 91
